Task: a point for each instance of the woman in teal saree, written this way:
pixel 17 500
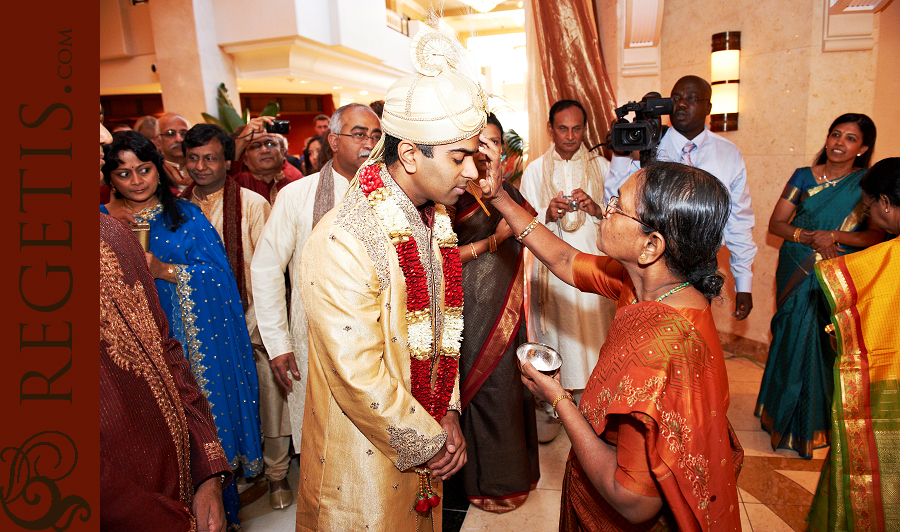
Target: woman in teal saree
pixel 819 216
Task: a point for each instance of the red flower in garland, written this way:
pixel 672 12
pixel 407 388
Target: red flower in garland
pixel 452 277
pixel 370 178
pixel 416 281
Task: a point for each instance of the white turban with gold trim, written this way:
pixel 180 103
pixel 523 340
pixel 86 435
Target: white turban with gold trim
pixel 440 103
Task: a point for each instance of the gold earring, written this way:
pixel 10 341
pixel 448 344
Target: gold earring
pixel 643 256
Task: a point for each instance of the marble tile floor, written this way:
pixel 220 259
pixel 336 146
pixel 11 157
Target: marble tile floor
pixel 775 487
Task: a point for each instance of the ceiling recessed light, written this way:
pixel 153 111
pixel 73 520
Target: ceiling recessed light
pixel 337 87
pixel 304 81
pixel 363 93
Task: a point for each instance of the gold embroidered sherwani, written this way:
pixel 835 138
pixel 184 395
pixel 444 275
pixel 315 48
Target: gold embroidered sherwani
pixel 363 432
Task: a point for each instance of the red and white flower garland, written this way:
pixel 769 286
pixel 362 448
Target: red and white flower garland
pixel 418 309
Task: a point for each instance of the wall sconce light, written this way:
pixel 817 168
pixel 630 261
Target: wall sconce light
pixel 725 80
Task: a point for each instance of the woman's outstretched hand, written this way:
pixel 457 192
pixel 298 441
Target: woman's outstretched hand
pixel 491 184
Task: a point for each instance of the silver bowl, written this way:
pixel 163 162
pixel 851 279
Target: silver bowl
pixel 543 357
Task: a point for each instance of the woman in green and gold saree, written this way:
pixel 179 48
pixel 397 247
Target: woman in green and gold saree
pixel 860 482
pixel 819 216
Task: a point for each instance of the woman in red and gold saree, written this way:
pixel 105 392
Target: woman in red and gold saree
pixel 860 484
pixel 498 420
pixel 652 448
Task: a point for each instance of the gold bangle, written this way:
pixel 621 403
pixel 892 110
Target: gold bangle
pixel 527 230
pixel 797 235
pixel 472 247
pixel 566 395
pixel 492 244
pixel 833 241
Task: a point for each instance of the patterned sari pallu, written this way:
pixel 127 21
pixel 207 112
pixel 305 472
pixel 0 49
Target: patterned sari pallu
pixel 656 368
pixel 205 315
pixel 859 488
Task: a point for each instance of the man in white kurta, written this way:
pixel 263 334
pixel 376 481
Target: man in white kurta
pixel 298 207
pixel 561 316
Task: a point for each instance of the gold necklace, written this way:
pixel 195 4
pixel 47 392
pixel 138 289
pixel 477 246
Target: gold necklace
pixel 678 288
pixel 833 182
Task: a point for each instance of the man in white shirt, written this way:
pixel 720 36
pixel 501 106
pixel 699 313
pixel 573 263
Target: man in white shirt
pixel 689 141
pixel 355 129
pixel 561 316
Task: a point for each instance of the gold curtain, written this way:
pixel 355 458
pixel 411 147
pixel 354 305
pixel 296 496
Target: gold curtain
pixel 565 62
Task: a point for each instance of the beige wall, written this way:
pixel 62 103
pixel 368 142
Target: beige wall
pixel 790 92
pixel 886 111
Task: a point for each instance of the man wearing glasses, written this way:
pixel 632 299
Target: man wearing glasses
pixel 170 131
pixel 689 141
pixel 260 162
pixel 299 207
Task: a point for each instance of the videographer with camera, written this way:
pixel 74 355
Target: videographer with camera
pixel 689 141
pixel 259 157
pixel 565 185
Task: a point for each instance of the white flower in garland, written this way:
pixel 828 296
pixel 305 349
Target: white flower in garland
pixel 443 228
pixel 390 214
pixel 451 338
pixel 419 334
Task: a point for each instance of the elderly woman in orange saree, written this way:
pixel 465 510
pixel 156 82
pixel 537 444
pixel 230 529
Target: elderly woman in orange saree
pixel 652 447
pixel 860 481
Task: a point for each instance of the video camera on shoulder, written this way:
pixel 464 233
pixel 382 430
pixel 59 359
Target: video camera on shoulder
pixel 642 134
